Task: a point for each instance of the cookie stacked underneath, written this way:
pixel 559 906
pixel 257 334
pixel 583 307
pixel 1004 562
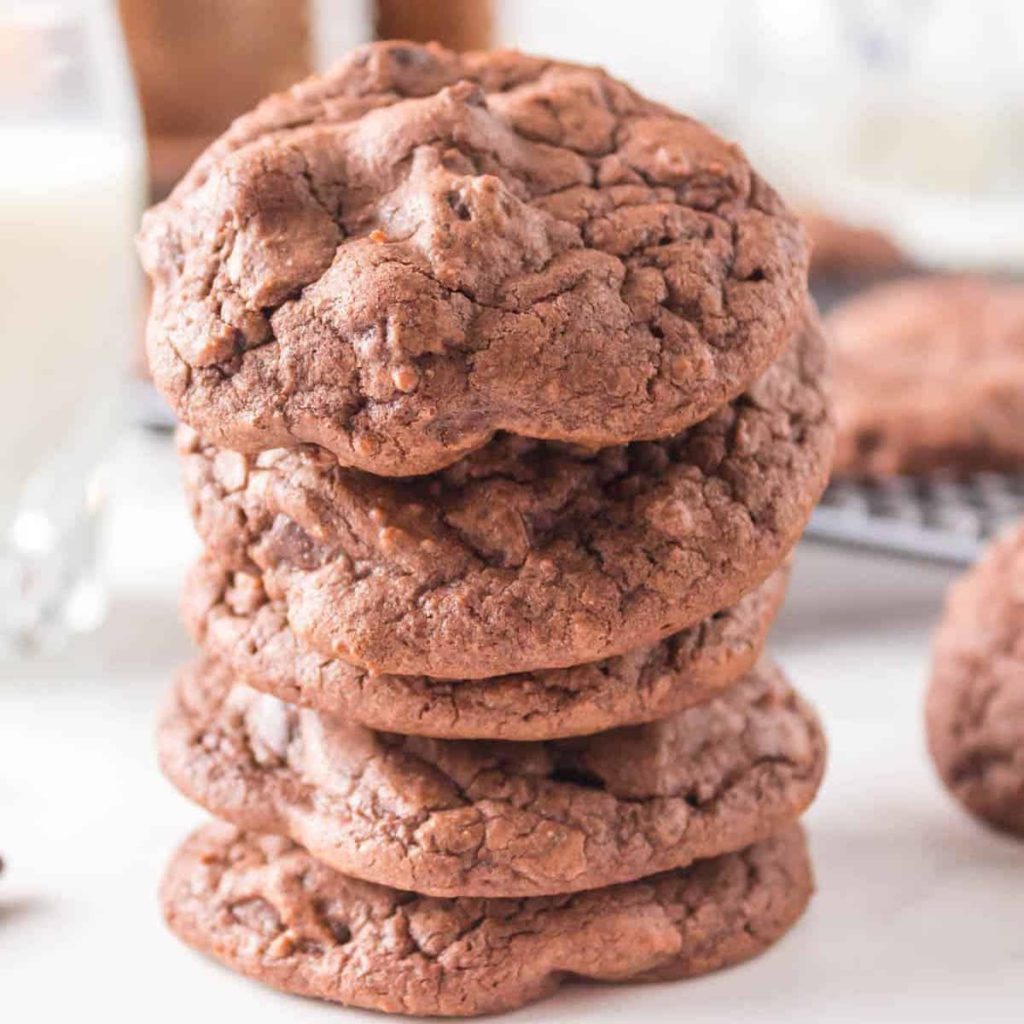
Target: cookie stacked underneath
pixel 505 411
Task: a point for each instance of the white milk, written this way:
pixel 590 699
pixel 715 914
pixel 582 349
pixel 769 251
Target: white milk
pixel 69 204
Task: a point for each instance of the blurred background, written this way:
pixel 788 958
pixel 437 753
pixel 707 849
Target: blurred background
pixel 895 128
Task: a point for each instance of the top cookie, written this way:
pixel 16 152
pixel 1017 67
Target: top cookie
pixel 402 257
pixel 929 375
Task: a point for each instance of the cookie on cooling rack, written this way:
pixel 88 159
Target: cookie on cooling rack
pixel 928 377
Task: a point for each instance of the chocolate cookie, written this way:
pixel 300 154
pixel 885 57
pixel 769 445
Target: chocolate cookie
pixel 230 615
pixel 491 818
pixel 525 554
pixel 849 252
pixel 975 703
pixel 264 907
pixel 400 258
pixel 930 375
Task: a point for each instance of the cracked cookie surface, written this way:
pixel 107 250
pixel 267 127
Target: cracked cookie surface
pixel 265 908
pixel 401 257
pixel 928 376
pixel 492 818
pixel 975 702
pixel 231 617
pixel 525 554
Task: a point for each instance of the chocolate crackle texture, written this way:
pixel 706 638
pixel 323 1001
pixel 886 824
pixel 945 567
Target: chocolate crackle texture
pixel 397 259
pixel 231 617
pixel 476 818
pixel 266 908
pixel 525 554
pixel 975 703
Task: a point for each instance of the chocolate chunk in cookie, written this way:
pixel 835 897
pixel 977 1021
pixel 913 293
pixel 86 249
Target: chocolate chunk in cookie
pixel 491 818
pixel 265 908
pixel 975 703
pixel 231 617
pixel 399 258
pixel 525 554
pixel 930 376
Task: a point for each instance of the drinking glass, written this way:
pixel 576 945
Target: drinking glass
pixel 71 192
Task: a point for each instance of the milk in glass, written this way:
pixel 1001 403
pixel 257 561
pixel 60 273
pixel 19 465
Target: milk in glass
pixel 71 192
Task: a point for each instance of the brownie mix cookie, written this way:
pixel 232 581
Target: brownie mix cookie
pixel 975 703
pixel 231 617
pixel 266 908
pixel 476 818
pixel 397 259
pixel 930 375
pixel 841 251
pixel 525 554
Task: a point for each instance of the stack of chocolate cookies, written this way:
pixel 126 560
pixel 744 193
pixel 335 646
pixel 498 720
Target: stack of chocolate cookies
pixel 504 405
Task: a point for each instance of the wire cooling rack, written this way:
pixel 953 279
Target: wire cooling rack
pixel 937 517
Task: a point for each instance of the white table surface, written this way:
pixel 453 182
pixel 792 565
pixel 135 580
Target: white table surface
pixel 919 914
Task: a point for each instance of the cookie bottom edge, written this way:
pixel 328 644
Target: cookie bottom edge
pixel 267 909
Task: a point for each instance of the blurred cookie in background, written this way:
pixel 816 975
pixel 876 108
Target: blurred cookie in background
pixel 975 704
pixel 849 253
pixel 929 375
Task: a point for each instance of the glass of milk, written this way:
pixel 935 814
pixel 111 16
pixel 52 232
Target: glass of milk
pixel 71 191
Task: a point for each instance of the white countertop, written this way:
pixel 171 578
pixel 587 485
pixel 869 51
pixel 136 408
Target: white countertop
pixel 919 914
